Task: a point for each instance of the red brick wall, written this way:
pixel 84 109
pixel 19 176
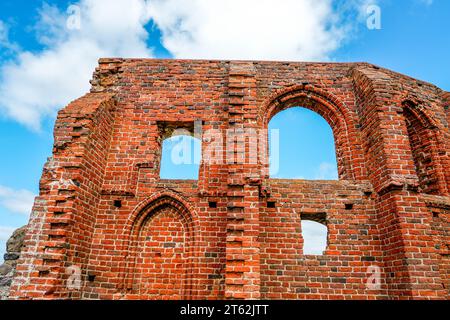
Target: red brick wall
pixel 353 241
pixel 441 235
pixel 104 217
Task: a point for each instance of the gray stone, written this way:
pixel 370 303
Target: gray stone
pixel 13 248
pixel 5 269
pixel 11 256
pixel 5 281
pixel 15 242
pixel 4 292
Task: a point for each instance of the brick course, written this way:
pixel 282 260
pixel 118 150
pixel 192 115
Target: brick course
pixel 103 211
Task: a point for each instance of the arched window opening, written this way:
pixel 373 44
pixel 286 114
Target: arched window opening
pixel 301 146
pixel 421 142
pixel 315 237
pixel 180 158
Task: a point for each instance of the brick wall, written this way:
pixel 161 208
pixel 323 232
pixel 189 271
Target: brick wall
pixel 106 227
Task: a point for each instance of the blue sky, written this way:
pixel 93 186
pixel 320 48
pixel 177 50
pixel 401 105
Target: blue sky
pixel 45 62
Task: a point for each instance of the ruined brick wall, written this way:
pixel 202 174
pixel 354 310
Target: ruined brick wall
pixel 106 227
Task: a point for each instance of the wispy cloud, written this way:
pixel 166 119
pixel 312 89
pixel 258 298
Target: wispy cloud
pixel 5 233
pixel 327 171
pixel 5 44
pixel 3 34
pixel 16 201
pixel 426 2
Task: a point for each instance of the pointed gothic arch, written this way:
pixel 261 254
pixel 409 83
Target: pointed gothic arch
pixel 161 248
pixel 426 147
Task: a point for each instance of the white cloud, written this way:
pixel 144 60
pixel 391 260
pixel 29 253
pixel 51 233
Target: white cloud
pixel 251 29
pixel 314 237
pixel 37 84
pixel 256 29
pixel 16 201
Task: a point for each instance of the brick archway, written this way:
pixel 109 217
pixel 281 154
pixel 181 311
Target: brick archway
pixel 161 251
pixel 348 147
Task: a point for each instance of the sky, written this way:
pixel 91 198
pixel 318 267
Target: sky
pixel 48 51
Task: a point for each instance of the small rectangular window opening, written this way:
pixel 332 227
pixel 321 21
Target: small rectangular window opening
pixel 213 204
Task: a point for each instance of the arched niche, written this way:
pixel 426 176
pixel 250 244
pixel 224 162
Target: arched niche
pixel 426 147
pixel 161 251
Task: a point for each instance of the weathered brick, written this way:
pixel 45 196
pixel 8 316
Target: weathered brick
pixel 103 210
